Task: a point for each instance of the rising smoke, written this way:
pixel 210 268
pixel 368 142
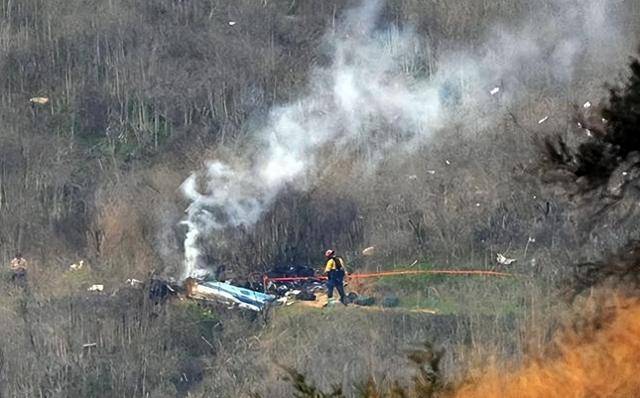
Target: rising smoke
pixel 376 93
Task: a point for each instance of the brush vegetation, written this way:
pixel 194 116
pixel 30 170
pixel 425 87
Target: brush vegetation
pixel 142 93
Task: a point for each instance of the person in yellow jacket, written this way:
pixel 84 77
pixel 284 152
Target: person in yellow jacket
pixel 335 271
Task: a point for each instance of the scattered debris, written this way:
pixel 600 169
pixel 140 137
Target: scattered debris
pixel 135 282
pixel 219 291
pixel 544 119
pixel 96 288
pixel 587 105
pixel 77 266
pixel 494 91
pixel 501 259
pixel 159 290
pixel 306 296
pixel 39 101
pixel 369 251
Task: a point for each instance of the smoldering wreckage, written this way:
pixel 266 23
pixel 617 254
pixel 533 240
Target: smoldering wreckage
pixel 282 286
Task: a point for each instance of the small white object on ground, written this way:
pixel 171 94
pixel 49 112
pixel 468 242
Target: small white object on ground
pixel 96 288
pixel 77 266
pixel 447 162
pixel 495 91
pixel 369 251
pixel 501 259
pixel 413 177
pixel 587 104
pixel 231 23
pixel 544 119
pixel 431 172
pixel 39 100
pixel 88 345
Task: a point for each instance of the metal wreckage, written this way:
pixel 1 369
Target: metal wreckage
pixel 282 285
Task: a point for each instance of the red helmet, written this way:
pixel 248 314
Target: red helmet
pixel 329 253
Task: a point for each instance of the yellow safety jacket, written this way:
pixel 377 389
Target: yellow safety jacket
pixel 331 264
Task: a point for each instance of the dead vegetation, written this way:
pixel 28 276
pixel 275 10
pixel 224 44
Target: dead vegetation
pixel 141 93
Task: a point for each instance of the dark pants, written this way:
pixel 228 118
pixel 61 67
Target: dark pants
pixel 336 280
pixel 19 277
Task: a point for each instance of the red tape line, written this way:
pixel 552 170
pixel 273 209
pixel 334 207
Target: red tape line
pixel 393 273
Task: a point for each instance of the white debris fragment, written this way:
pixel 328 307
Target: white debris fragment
pixel 589 133
pixel 39 100
pixel 477 204
pixel 501 259
pixel 587 105
pixel 432 172
pixel 494 91
pixel 231 23
pixel 135 282
pixel 544 119
pixel 89 345
pixel 77 266
pixel 604 120
pixel 532 240
pixel 624 173
pixel 447 162
pixel 96 288
pixel 413 177
pixel 369 251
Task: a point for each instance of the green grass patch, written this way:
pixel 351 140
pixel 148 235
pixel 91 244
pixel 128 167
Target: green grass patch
pixel 455 294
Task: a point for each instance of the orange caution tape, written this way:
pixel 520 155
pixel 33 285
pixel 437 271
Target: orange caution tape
pixel 393 273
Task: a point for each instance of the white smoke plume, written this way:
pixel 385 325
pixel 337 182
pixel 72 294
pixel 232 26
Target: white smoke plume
pixel 376 90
